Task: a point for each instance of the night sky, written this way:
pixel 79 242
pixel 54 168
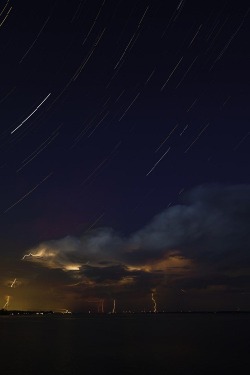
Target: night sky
pixel 124 146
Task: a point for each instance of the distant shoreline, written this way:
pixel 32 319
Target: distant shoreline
pixel 44 312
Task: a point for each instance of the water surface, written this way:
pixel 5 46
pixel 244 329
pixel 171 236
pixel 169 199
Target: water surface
pixel 174 344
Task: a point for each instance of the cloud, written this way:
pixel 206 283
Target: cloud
pixel 208 231
pixel 70 253
pixel 61 254
pixel 211 223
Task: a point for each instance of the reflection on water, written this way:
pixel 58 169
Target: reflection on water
pixel 125 344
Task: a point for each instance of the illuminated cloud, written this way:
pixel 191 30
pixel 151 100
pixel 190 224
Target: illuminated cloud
pixel 211 222
pixel 70 253
pixel 205 235
pixel 56 254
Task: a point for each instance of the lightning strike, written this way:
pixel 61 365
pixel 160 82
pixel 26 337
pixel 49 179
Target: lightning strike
pixel 6 305
pixel 113 311
pixel 154 302
pixel 100 305
pixel 13 283
pixel 30 255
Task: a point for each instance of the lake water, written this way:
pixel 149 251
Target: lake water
pixel 169 344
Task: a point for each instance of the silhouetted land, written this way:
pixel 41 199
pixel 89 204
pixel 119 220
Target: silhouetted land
pixel 44 312
pixel 20 312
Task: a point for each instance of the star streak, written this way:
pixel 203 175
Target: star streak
pixel 185 74
pixel 165 140
pixel 198 136
pixel 96 18
pixel 78 11
pixel 241 141
pixel 150 76
pixel 176 66
pixel 4 7
pixel 143 17
pixel 32 45
pixel 95 222
pixel 27 194
pixel 13 131
pixel 230 40
pixel 183 131
pixel 85 61
pixel 130 105
pixel 5 16
pixel 197 32
pixel 151 170
pixel 38 150
pixel 125 50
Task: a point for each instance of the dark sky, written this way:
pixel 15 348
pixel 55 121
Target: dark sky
pixel 124 154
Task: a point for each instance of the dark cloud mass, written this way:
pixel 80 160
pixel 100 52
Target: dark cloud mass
pixel 210 221
pixel 203 241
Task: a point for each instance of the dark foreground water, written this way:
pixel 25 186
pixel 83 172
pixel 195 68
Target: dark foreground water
pixel 168 344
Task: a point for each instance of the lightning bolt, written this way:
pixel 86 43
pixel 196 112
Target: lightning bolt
pixel 13 283
pixel 154 302
pixel 113 311
pixel 38 255
pixel 6 305
pixel 100 305
pixel 27 255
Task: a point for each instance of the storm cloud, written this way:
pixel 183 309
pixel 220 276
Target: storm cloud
pixel 203 237
pixel 211 223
